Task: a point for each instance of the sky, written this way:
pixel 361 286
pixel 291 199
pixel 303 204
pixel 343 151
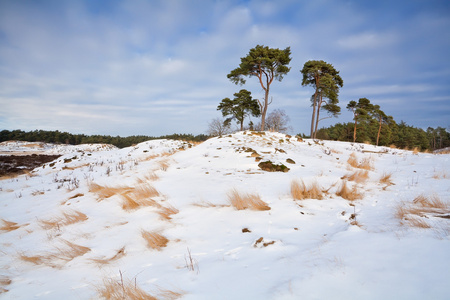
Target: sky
pixel 160 67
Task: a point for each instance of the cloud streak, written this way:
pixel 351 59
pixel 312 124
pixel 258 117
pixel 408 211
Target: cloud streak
pixel 159 67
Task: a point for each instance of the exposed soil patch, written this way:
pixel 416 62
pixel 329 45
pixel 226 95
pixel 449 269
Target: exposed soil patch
pixel 18 164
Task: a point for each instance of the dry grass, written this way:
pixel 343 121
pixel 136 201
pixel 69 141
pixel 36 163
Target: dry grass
pixel 154 240
pixel 37 259
pixel 434 202
pixel 67 219
pixel 358 176
pixel 163 165
pixel 299 191
pixel 166 212
pixel 61 255
pixel 415 150
pixel 246 201
pixel 440 175
pixel 150 177
pixel 5 281
pixel 169 295
pixel 104 192
pixel 140 197
pixel 418 212
pixel 103 261
pixel 365 164
pixel 71 251
pixel 349 194
pixel 386 179
pixel 9 226
pixel 122 289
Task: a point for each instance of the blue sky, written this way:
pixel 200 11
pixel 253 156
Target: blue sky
pixel 160 67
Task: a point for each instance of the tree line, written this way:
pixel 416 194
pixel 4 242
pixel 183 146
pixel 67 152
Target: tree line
pixel 59 137
pixel 371 124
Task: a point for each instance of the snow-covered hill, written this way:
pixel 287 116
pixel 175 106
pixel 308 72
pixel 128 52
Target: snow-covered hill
pixel 157 219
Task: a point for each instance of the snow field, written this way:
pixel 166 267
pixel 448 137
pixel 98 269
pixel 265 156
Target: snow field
pixel 84 219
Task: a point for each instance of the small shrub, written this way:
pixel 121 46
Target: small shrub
pixel 271 167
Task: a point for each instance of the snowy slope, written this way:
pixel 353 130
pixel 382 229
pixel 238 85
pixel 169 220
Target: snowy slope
pixel 80 223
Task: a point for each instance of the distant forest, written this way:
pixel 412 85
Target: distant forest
pixel 400 135
pixel 59 137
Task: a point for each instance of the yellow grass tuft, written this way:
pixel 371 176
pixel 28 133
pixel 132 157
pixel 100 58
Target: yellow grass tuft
pixel 104 192
pixel 417 213
pixel 349 194
pixel 365 164
pixel 386 179
pixel 358 176
pixel 37 259
pixel 154 240
pixel 416 150
pixel 246 201
pixel 71 251
pixel 66 219
pixel 140 197
pixel 170 295
pixel 122 289
pixel 299 191
pixel 166 212
pixel 440 175
pixel 5 281
pixel 9 226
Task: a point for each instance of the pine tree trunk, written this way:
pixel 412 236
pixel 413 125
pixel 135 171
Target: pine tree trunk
pixel 264 109
pixel 354 131
pixel 319 104
pixel 379 130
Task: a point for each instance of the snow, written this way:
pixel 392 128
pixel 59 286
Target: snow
pixel 315 248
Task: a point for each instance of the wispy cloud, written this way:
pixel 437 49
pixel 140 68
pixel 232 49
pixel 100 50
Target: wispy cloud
pixel 159 67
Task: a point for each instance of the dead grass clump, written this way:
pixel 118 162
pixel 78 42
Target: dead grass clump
pixel 358 176
pixel 9 226
pixel 433 203
pixel 37 259
pixel 150 177
pixel 440 175
pixel 300 191
pixel 416 150
pixel 139 197
pixel 386 179
pixel 71 251
pixel 154 240
pixel 349 194
pixel 66 219
pixel 163 165
pixel 105 191
pixel 4 281
pixel 169 295
pixel 103 261
pixel 246 201
pixel 61 255
pixel 122 289
pixel 365 164
pixel 166 212
pixel 418 212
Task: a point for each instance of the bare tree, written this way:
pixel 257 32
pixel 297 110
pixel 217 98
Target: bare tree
pixel 278 120
pixel 217 127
